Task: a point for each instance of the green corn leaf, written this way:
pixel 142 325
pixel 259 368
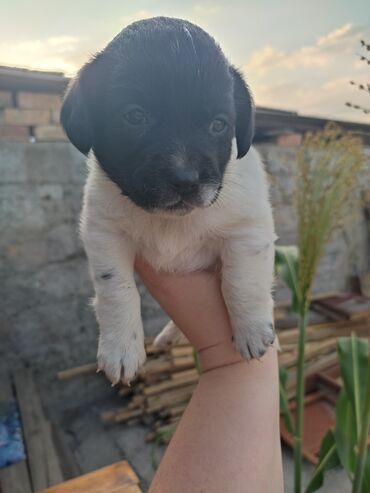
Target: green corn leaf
pixel 353 359
pixel 366 480
pixel 345 433
pixel 361 479
pixel 286 266
pixel 284 403
pixel 197 362
pixel 328 459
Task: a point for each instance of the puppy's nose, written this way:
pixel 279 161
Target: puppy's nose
pixel 185 180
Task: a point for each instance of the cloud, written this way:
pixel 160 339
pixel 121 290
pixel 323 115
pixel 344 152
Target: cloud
pixel 263 60
pixel 67 53
pixel 53 53
pixel 313 79
pixel 320 54
pixel 334 36
pixel 269 58
pixel 326 99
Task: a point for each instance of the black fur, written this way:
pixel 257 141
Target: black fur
pixel 171 76
pixel 106 276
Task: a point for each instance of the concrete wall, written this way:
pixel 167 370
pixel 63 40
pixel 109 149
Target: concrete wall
pixel 348 252
pixel 45 319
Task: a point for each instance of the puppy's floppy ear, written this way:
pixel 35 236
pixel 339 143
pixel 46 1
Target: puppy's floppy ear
pixel 244 107
pixel 75 113
pixel 74 118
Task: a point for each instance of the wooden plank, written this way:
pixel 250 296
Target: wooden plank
pixel 349 305
pixel 15 478
pixel 67 461
pixel 77 371
pixel 181 375
pixel 321 409
pixel 121 415
pixel 327 312
pixel 365 281
pixel 54 471
pixel 312 350
pixel 323 331
pixel 169 385
pixel 6 393
pixel 41 456
pixel 117 478
pixel 32 421
pixel 311 371
pixel 182 351
pixel 132 488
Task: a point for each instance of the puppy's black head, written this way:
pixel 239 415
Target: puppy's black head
pixel 160 106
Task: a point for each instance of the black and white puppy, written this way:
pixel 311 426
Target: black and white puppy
pixel 167 125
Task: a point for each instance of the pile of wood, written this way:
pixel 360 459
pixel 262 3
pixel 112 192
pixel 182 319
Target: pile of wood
pixel 165 388
pixel 166 383
pixel 162 391
pixel 320 349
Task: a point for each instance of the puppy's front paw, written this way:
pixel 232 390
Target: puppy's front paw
pixel 121 358
pixel 170 334
pixel 254 339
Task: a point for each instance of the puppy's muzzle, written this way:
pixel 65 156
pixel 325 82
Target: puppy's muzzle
pixel 185 182
pixel 187 189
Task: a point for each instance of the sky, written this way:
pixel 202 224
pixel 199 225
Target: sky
pixel 296 55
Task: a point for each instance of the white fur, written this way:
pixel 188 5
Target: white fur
pixel 238 229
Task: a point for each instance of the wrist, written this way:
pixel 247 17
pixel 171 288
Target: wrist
pixel 217 355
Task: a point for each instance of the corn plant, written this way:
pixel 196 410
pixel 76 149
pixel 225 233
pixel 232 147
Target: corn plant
pixel 328 164
pixel 347 444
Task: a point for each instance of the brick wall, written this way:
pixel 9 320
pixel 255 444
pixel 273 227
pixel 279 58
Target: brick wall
pixel 30 117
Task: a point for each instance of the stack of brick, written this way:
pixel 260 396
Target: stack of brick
pixel 30 117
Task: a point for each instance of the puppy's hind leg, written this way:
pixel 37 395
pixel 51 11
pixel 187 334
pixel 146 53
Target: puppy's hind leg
pixel 170 334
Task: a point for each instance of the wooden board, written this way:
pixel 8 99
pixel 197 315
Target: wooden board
pixel 78 371
pixel 67 460
pixel 6 393
pixel 311 374
pixel 15 478
pixel 348 305
pixel 319 418
pixel 330 378
pixel 53 468
pixel 42 459
pixel 365 284
pixel 117 478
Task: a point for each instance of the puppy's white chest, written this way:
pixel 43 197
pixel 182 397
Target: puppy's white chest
pixel 179 252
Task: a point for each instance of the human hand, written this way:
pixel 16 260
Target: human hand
pixel 194 302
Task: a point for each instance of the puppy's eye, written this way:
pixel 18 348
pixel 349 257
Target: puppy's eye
pixel 218 126
pixel 135 116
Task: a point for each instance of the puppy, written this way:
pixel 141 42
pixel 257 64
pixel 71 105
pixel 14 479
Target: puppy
pixel 167 124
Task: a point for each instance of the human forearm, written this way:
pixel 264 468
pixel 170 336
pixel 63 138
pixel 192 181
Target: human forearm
pixel 228 439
